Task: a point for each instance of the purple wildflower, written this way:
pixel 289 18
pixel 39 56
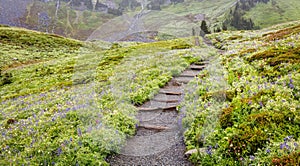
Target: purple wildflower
pixel 79 132
pixel 287 138
pixel 261 104
pixel 252 157
pixel 59 151
pixel 291 86
pixel 295 144
pixel 209 150
pixel 282 146
pixel 268 150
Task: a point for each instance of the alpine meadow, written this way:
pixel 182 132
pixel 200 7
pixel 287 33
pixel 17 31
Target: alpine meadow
pixel 150 82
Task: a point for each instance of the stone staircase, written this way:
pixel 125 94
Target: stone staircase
pixel 159 135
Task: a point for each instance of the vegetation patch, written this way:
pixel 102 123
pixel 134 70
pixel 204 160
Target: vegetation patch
pixel 72 102
pixel 255 120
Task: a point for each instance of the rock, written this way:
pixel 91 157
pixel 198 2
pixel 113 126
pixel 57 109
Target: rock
pixel 190 152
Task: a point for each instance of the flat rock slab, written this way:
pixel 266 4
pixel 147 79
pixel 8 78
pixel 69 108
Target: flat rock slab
pixel 157 106
pixel 183 80
pixel 197 67
pixel 202 63
pixel 189 73
pixel 171 92
pixel 168 118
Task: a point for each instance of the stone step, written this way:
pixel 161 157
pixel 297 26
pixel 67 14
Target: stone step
pixel 158 108
pixel 170 92
pixel 158 118
pixel 189 73
pixel 167 100
pixel 202 63
pixel 153 127
pixel 183 80
pixel 197 67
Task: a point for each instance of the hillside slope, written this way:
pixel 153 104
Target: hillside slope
pixel 257 14
pixel 79 20
pixel 274 12
pixel 69 102
pixel 245 110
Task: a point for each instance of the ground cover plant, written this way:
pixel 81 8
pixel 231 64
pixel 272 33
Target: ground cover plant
pixel 72 102
pixel 244 110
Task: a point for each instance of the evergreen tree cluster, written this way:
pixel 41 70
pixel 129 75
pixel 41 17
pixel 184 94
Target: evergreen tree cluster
pixel 204 27
pixel 236 15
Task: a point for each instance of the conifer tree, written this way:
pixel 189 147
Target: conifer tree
pixel 204 27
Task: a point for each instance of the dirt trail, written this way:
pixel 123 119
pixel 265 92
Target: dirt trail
pixel 159 136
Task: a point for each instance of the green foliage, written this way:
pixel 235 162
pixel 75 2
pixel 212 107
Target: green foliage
pixel 21 47
pixel 274 12
pixel 74 105
pixel 258 121
pixel 26 38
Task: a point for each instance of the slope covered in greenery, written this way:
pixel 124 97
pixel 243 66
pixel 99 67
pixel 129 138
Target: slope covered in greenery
pixel 258 14
pixel 68 102
pixel 244 110
pixel 274 12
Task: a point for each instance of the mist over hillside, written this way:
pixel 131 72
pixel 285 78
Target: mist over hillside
pixel 80 18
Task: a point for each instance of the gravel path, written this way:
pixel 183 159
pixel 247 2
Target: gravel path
pixel 159 136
